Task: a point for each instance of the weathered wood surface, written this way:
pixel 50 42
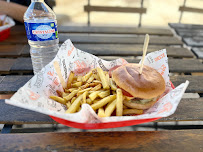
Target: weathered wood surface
pixel 88 8
pixel 184 65
pixel 103 30
pixel 114 30
pixel 95 39
pixel 12 83
pixel 195 85
pixel 11 50
pixel 163 141
pixel 125 50
pixel 185 26
pixel 188 110
pixel 193 41
pixel 190 33
pixel 6 64
pixel 190 9
pixel 198 52
pixel 15 115
pixel 103 49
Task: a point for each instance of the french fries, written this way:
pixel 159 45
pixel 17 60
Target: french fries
pixel 119 103
pixel 98 90
pixel 70 79
pixel 103 78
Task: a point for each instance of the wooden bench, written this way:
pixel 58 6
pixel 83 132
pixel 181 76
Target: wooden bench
pixel 184 8
pixel 192 35
pixel 89 8
pixel 108 44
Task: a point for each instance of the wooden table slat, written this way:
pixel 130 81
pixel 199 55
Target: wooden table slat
pixel 103 30
pixel 11 84
pixel 125 50
pixel 185 26
pixel 14 115
pixel 11 50
pixel 6 64
pixel 94 39
pixel 198 52
pixel 190 33
pixel 193 41
pixel 163 141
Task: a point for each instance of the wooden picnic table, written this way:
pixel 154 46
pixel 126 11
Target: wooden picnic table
pixel 191 35
pixel 108 43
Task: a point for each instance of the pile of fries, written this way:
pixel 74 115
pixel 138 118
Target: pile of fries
pixel 98 90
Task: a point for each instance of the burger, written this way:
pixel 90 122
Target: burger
pixel 143 89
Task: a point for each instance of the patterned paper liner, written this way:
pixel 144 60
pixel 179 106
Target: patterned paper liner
pixel 34 95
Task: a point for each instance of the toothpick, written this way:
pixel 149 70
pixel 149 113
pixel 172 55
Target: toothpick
pixel 146 42
pixel 58 71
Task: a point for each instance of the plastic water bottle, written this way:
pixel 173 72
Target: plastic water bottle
pixel 41 28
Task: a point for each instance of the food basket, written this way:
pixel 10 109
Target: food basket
pixel 5 29
pixel 35 94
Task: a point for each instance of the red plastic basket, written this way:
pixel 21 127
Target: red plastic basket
pixel 103 125
pixel 4 34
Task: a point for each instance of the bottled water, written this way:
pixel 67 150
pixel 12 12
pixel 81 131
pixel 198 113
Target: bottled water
pixel 41 28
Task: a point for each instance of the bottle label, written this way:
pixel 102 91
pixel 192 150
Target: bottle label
pixel 41 31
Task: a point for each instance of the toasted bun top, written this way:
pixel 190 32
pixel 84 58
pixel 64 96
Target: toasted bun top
pixel 147 85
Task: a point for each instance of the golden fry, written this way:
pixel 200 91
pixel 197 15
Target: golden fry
pixel 112 84
pixel 76 104
pixel 113 92
pixel 132 111
pixel 59 93
pixel 104 93
pixel 84 96
pixel 107 78
pixel 125 107
pixel 110 108
pixel 58 99
pixel 84 86
pixel 77 84
pixel 79 79
pixel 70 79
pixel 71 95
pixel 68 104
pixel 87 76
pixel 72 89
pixel 93 84
pixel 104 81
pixel 119 103
pixel 96 87
pixel 101 112
pixel 90 79
pixel 66 90
pixel 82 91
pixel 73 99
pixel 89 101
pixel 65 94
pixel 94 95
pixel 103 102
pixel 96 100
pixel 79 109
